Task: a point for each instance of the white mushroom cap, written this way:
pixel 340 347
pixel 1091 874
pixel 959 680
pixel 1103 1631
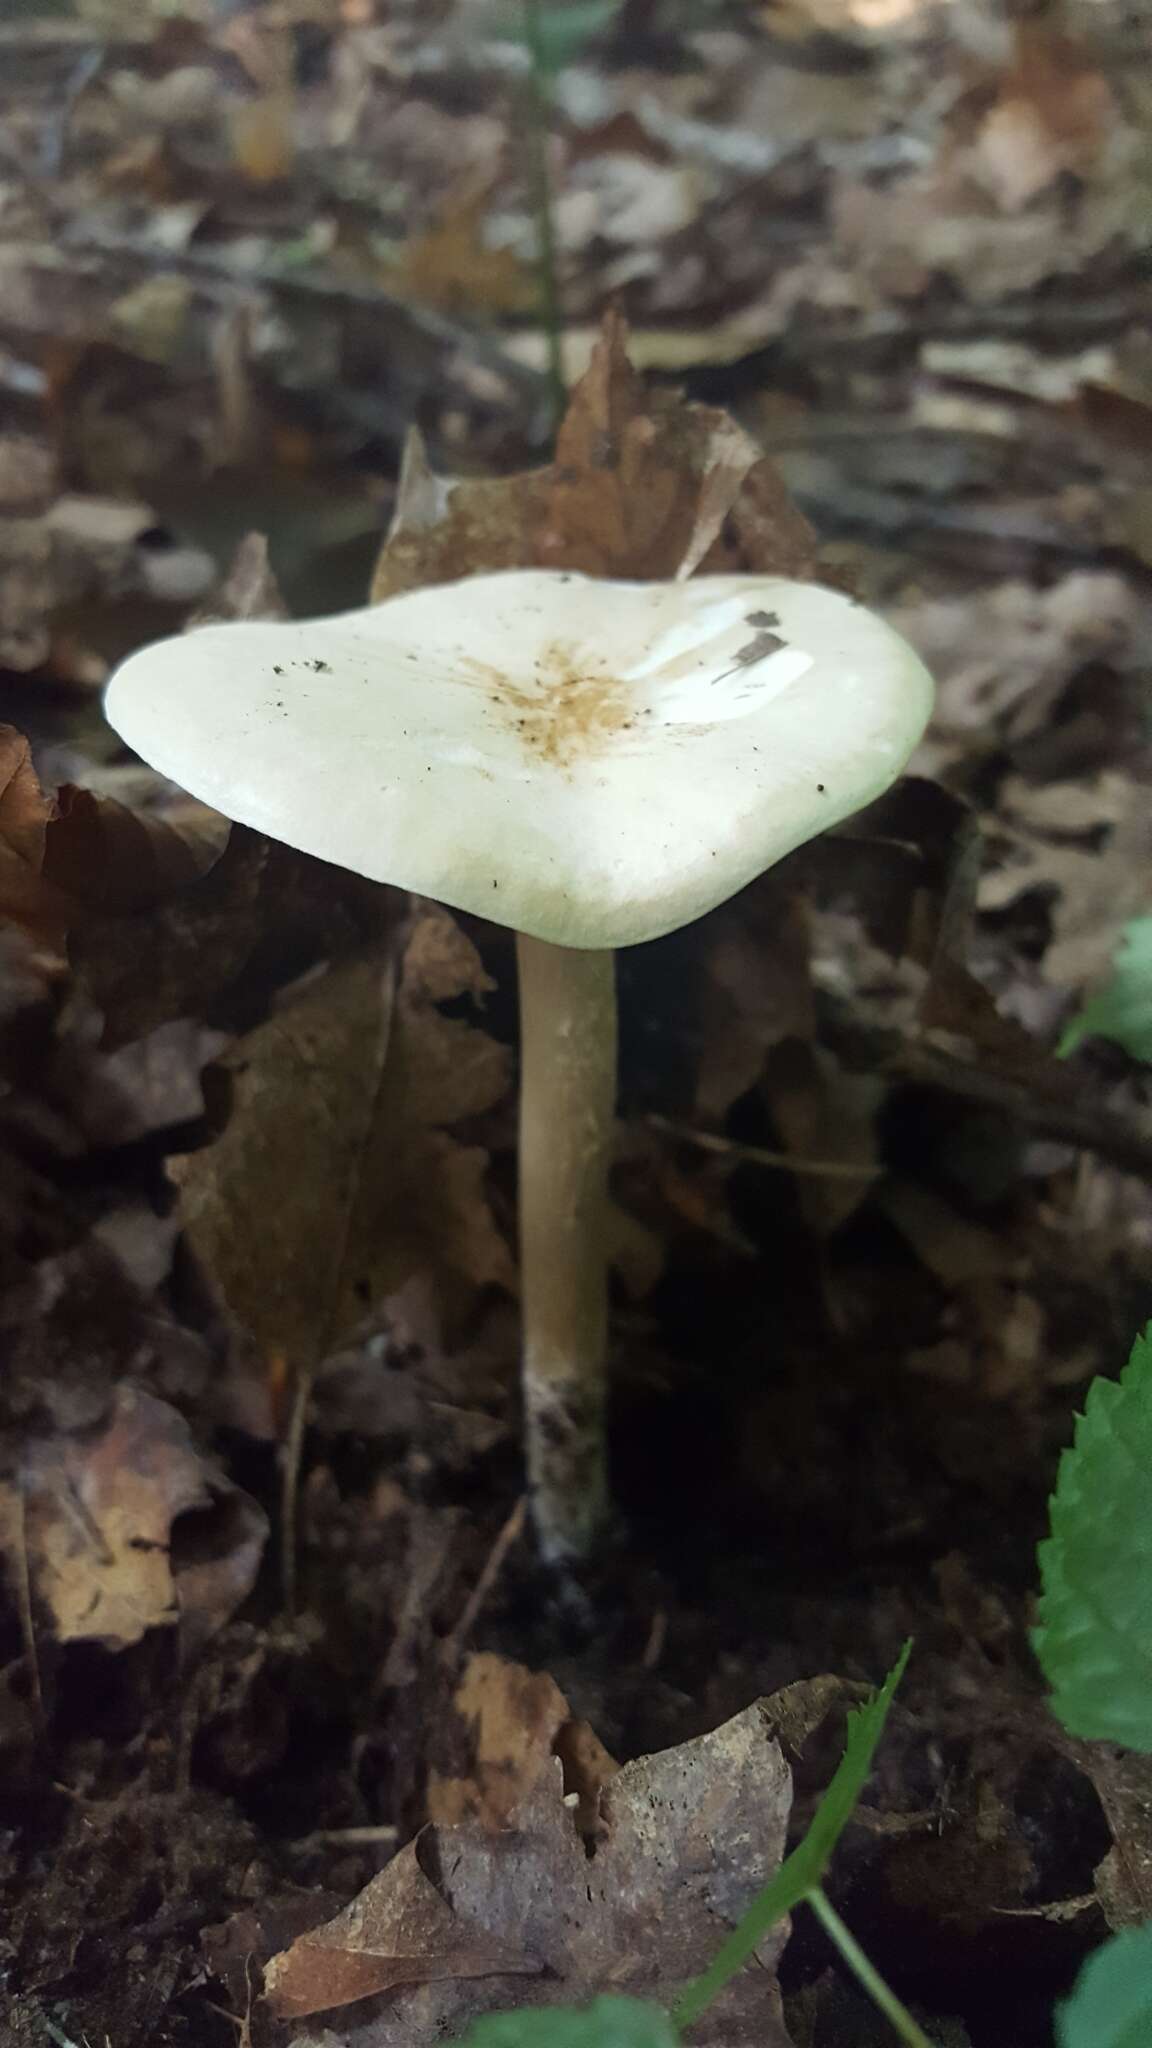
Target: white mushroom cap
pixel 588 762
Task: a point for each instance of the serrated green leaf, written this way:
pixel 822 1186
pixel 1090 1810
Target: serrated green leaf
pixel 1111 2006
pixel 1122 1009
pixel 606 2023
pixel 1094 1641
pixel 802 1871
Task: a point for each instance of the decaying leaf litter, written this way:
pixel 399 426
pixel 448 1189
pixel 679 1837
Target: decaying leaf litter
pixel 871 1236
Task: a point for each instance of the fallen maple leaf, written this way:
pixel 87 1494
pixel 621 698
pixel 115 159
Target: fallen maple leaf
pixel 643 486
pixel 449 265
pixel 336 1176
pixel 474 1918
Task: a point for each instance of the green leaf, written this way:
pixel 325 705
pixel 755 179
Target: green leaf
pixel 607 2023
pixel 1094 1640
pixel 1122 1009
pixel 802 1871
pixel 1111 2006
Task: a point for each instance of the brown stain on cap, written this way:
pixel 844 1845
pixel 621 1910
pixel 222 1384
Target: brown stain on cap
pixel 574 710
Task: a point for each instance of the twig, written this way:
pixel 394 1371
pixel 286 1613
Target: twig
pixel 292 1455
pixel 56 2034
pixel 345 1838
pixel 24 1605
pixel 420 321
pixel 657 1637
pixel 509 1535
pixel 1092 1127
pixel 1049 320
pixel 759 1155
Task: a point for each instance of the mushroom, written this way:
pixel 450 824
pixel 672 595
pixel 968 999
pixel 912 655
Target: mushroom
pixel 590 763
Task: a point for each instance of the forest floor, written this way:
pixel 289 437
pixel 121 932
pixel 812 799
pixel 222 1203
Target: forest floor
pixel 873 1236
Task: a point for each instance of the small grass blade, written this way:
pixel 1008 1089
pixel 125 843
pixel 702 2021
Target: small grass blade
pixel 802 1871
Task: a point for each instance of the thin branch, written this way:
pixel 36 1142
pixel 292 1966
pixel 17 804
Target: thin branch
pixel 760 1155
pixel 1122 1136
pixel 509 1535
pixel 23 1577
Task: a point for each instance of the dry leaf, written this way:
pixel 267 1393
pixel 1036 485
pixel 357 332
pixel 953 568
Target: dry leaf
pixel 336 1177
pixel 451 266
pixel 1093 888
pixel 824 1115
pixel 755 991
pixel 29 476
pixel 1123 1783
pixel 688 1837
pixel 262 132
pixel 503 1725
pixel 643 486
pixel 260 902
pixel 25 898
pixel 249 591
pixel 93 1515
pixel 1053 113
pixel 105 858
pixel 65 859
pixel 1001 658
pixel 77 549
pixel 400 1930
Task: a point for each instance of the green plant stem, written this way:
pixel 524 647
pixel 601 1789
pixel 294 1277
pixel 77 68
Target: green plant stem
pixel 539 137
pixel 865 1973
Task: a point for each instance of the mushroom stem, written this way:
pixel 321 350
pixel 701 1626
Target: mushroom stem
pixel 567 1108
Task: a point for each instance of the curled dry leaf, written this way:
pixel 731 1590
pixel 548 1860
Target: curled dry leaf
pixel 336 1175
pixel 472 1918
pixel 643 486
pixel 68 858
pixel 91 1516
pixel 401 1930
pixel 25 898
pixel 504 1728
